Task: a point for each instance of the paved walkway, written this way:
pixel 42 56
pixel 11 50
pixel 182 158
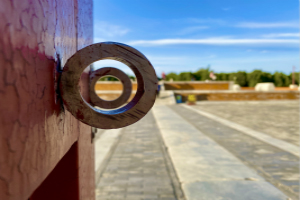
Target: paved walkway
pixel 165 98
pixel 273 164
pixel 280 119
pixel 138 167
pixel 178 153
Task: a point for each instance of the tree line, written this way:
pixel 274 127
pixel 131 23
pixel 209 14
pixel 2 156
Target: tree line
pixel 244 79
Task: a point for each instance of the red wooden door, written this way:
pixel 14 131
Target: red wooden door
pixel 45 153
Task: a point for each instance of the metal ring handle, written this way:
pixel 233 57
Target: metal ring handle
pixel 127 87
pixel 121 117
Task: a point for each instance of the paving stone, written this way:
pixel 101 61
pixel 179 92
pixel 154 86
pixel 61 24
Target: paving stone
pixel 137 168
pixel 277 166
pixel 242 190
pixel 280 119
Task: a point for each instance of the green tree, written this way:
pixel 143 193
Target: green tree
pixel 185 76
pixel 242 78
pixel 239 77
pixel 108 78
pixel 173 76
pixel 202 74
pixel 131 77
pixel 222 76
pixel 281 80
pixel 297 77
pixel 258 76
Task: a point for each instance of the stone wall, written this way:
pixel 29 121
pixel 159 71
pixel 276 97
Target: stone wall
pixel 198 85
pixel 241 96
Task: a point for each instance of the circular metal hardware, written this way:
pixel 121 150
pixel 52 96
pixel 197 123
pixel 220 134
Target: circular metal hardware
pixel 121 100
pixel 120 117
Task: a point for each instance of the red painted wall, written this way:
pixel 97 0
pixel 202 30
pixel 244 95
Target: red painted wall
pixel 35 133
pixel 56 187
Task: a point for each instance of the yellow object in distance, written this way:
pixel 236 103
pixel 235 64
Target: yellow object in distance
pixel 191 98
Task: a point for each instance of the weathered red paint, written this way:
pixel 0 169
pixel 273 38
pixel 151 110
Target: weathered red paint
pixel 35 133
pixel 54 187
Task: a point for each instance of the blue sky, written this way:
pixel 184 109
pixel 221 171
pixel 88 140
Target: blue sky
pixel 185 35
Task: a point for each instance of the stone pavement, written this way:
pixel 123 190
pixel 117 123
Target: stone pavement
pixel 165 98
pixel 273 164
pixel 138 167
pixel 177 153
pixel 279 119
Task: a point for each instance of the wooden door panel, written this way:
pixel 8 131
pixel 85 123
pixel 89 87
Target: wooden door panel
pixel 35 133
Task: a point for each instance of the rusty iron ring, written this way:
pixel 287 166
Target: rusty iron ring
pixel 122 99
pixel 121 117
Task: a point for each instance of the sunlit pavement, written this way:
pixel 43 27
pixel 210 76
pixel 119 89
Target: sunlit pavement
pixel 213 150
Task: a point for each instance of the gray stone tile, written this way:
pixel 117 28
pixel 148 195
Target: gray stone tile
pixel 278 167
pixel 279 119
pixel 137 168
pixel 232 190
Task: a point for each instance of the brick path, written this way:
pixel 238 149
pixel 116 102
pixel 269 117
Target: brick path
pixel 137 168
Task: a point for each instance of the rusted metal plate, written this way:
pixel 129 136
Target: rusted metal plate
pixel 121 117
pixel 121 100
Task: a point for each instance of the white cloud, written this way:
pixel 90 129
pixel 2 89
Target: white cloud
pixel 112 63
pixel 264 51
pixel 264 61
pixel 107 30
pixel 280 35
pixel 160 63
pixel 165 60
pixel 291 24
pixel 206 21
pixel 192 29
pixel 226 9
pixel 215 41
pixel 167 63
